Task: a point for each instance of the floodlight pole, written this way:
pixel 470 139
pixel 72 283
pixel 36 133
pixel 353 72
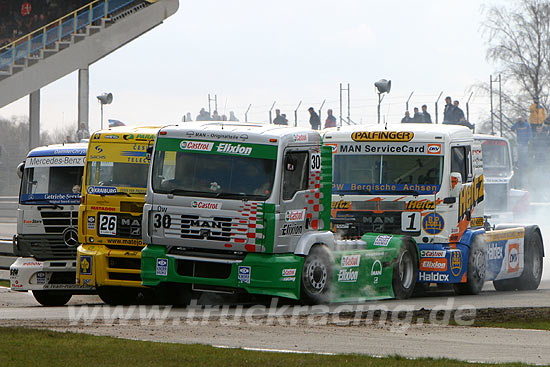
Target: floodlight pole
pixel 101 103
pixel 296 114
pixel 273 105
pixel 468 107
pixel 246 113
pixel 436 108
pixel 380 99
pixel 408 99
pixel 320 108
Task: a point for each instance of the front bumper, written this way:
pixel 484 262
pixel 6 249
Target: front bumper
pixel 100 266
pixel 27 273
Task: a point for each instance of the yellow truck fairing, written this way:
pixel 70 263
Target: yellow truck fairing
pixel 114 186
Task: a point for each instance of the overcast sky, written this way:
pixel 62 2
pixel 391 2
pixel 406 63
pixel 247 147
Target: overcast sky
pixel 257 52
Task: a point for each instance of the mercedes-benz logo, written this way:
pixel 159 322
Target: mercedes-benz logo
pixel 70 237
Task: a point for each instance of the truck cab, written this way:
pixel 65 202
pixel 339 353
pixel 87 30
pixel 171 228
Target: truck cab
pixel 114 186
pixel 503 203
pixel 47 220
pixel 427 183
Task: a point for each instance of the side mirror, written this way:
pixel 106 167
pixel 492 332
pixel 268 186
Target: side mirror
pixel 20 169
pixel 456 183
pixel 149 153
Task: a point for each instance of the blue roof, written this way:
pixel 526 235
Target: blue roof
pixel 74 149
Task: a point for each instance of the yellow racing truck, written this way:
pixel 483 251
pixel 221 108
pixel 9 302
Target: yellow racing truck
pixel 113 190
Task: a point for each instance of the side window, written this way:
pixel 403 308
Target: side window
pixel 461 162
pixel 295 174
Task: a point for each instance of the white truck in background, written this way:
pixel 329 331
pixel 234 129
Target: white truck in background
pixel 47 219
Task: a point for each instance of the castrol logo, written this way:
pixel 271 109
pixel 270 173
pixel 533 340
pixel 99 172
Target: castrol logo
pixel 212 205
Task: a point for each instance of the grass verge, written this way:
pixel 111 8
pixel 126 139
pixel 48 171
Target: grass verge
pixel 4 283
pixel 28 347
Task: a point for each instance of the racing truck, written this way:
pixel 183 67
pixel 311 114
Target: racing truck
pixel 245 208
pixel 426 183
pixel 114 185
pixel 504 203
pixel 47 220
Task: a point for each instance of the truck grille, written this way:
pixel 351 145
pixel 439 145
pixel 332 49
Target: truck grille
pixel 58 221
pixel 213 229
pixel 358 223
pixel 50 248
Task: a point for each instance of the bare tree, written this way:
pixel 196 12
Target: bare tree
pixel 518 40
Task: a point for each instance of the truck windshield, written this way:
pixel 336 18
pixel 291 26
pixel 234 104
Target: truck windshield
pixel 212 175
pixel 117 174
pixel 496 160
pixel 420 174
pixel 51 184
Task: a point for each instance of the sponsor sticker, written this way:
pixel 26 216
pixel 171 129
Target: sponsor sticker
pixel 212 205
pixel 495 251
pixel 295 215
pixel 401 136
pixel 433 223
pixel 91 222
pixel 244 274
pixel 288 279
pixel 41 278
pixel 162 267
pixel 382 240
pixel 291 229
pixel 85 265
pixel 234 149
pixel 289 272
pixel 376 269
pixel 341 205
pixel 433 253
pixel 476 222
pixel 513 257
pixel 300 137
pixel 434 264
pixel 432 277
pixel 348 275
pixel 456 262
pixel 348 261
pixel 434 148
pixel 101 190
pixel 196 145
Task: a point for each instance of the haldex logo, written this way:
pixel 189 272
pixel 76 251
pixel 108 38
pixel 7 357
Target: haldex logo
pixel 234 149
pixel 196 145
pixel 433 277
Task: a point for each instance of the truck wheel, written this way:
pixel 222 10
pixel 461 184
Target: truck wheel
pixel 317 276
pixel 477 266
pixel 51 298
pixel 405 271
pixel 532 271
pixel 505 285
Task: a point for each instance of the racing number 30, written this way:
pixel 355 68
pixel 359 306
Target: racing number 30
pixel 164 221
pixel 315 162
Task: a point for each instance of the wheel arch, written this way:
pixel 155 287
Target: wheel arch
pixel 310 239
pixel 530 229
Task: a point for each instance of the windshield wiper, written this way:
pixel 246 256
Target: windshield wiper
pixel 183 192
pixel 228 195
pixel 342 192
pixel 50 206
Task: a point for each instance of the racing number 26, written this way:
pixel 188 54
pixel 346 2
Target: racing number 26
pixel 107 224
pixel 164 221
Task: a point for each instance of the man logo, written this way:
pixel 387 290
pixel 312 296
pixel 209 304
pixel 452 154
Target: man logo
pixel 434 148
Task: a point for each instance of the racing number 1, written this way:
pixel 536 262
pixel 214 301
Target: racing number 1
pixel 410 221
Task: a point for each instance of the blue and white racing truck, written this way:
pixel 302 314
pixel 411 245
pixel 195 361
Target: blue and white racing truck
pixel 47 220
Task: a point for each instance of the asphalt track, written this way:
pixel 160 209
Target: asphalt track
pixel 316 330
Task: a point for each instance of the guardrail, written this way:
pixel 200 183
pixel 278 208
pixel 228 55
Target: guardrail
pixel 58 29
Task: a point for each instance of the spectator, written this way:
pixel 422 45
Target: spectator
pixel 417 116
pixel 232 116
pixel 448 112
pixel 279 120
pixel 216 116
pixel 541 141
pixel 187 117
pixel 314 119
pixel 331 120
pixel 458 114
pixel 407 118
pixel 523 136
pixel 203 116
pixel 537 114
pixel 426 115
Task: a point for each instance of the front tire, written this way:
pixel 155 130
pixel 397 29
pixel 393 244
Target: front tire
pixel 317 276
pixel 532 271
pixel 405 271
pixel 115 296
pixel 51 298
pixel 477 268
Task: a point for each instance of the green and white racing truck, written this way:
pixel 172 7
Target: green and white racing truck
pixel 425 184
pixel 47 220
pixel 246 207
